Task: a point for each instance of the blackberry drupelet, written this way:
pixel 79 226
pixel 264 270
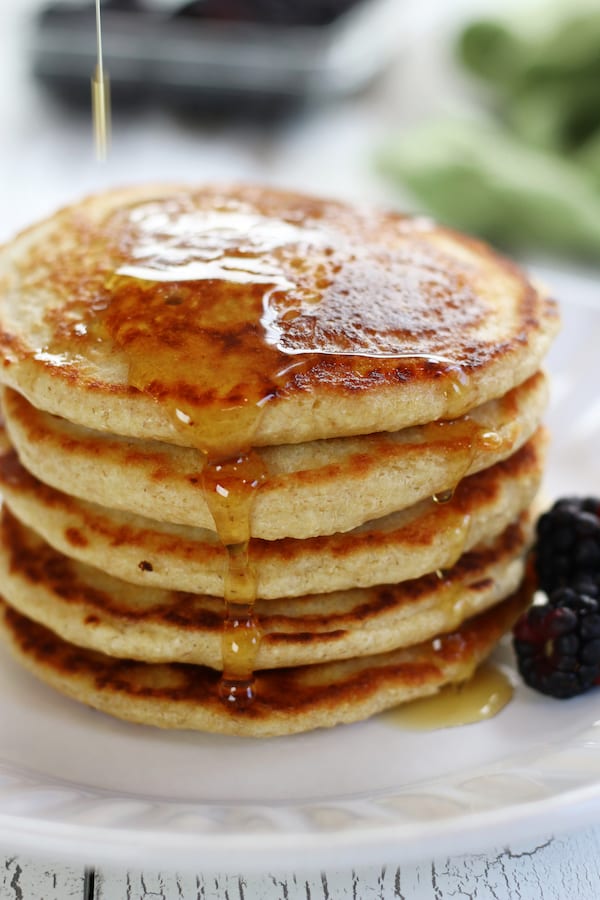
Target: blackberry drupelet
pixel 568 544
pixel 558 643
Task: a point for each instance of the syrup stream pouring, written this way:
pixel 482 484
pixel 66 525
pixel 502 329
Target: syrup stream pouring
pixel 100 97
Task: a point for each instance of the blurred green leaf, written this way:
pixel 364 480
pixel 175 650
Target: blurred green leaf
pixel 474 176
pixel 532 177
pixel 492 51
pixel 547 86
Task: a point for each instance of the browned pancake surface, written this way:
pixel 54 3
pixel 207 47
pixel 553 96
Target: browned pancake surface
pixel 217 301
pixel 287 700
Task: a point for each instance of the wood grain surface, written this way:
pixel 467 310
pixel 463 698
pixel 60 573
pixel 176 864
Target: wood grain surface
pixel 565 868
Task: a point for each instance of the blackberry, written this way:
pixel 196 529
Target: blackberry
pixel 558 643
pixel 568 544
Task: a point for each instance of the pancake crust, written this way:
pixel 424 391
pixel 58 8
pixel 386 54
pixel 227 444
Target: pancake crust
pixel 301 497
pixel 218 302
pixel 399 547
pixel 88 608
pixel 287 700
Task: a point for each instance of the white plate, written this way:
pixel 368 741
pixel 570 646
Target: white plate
pixel 76 784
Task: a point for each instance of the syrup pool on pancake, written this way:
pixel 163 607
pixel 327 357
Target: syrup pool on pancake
pixel 220 309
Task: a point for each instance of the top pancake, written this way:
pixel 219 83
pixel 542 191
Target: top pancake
pixel 258 317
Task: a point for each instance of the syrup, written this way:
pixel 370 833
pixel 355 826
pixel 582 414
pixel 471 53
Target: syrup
pixel 453 604
pixel 465 438
pixel 443 497
pixel 480 697
pixel 229 487
pixel 100 96
pixel 457 538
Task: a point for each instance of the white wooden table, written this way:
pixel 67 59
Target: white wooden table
pixel 563 868
pixel 46 160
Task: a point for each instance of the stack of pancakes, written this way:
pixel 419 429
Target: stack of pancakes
pixel 268 460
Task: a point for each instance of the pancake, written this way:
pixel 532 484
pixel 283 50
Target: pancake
pixel 287 700
pixel 402 546
pixel 88 608
pixel 302 495
pixel 223 318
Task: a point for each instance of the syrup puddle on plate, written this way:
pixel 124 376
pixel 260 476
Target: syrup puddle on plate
pixel 480 697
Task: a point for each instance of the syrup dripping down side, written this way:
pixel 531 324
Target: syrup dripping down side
pixel 465 439
pixel 229 488
pixel 100 96
pixel 205 301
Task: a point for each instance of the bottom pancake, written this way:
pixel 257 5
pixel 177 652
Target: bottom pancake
pixel 288 701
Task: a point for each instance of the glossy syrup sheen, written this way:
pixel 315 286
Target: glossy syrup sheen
pixel 480 697
pixel 219 306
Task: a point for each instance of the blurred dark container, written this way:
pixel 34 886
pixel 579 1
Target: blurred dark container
pixel 212 54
